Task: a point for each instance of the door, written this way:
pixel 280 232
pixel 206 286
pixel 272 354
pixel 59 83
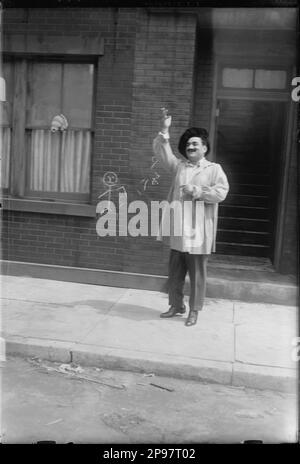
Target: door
pixel 249 142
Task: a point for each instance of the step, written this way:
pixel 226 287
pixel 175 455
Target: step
pixel 244 224
pixel 242 249
pixel 250 189
pixel 246 212
pixel 248 200
pixel 244 237
pixel 241 262
pixel 245 177
pixel 251 285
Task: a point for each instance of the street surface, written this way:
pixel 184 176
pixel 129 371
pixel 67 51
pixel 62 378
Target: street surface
pixel 67 403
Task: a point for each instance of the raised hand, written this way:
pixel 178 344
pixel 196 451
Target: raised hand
pixel 165 120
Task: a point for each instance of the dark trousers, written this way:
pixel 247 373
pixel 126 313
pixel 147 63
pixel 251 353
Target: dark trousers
pixel 196 265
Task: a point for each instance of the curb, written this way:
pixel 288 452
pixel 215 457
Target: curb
pixel 226 373
pixel 37 347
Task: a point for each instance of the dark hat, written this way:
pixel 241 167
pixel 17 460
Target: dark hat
pixel 193 132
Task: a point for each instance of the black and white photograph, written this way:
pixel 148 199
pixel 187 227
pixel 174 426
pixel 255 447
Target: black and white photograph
pixel 149 225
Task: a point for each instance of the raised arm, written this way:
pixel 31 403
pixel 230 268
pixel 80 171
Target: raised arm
pixel 161 145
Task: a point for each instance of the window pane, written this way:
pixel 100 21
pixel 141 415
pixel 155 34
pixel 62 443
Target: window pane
pixel 270 79
pixel 59 161
pixel 44 148
pixel 5 141
pixel 6 107
pixel 44 93
pixel 238 78
pixel 78 94
pixel 75 161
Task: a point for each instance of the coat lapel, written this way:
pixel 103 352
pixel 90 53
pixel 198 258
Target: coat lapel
pixel 204 164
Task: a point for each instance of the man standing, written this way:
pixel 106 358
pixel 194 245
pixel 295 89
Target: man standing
pixel 198 186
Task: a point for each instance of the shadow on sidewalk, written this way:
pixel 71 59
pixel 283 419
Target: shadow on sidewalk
pixel 125 310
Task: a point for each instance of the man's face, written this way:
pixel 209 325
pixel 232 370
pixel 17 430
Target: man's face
pixel 195 150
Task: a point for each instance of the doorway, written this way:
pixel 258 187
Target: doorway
pixel 249 145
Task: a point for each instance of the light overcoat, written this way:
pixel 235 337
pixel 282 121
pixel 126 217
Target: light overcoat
pixel 195 230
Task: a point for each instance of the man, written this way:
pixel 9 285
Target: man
pixel 198 186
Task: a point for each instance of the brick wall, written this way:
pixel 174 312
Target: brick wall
pixel 56 239
pixel 67 240
pixel 147 63
pixel 164 61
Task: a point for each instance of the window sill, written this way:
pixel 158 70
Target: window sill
pixel 48 207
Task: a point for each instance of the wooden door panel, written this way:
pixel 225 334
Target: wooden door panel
pixel 249 139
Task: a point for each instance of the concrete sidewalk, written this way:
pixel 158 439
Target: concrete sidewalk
pixel 234 343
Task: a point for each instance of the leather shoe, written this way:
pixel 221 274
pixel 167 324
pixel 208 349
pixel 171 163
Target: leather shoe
pixel 192 318
pixel 172 312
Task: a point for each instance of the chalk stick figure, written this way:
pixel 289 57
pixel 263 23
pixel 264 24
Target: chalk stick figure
pixel 111 181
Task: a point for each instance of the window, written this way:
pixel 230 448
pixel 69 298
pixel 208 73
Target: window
pixel 57 163
pixel 238 78
pixel 270 79
pixel 245 78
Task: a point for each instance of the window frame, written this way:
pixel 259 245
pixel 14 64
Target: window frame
pixel 5 190
pixel 254 69
pixel 240 62
pixel 18 185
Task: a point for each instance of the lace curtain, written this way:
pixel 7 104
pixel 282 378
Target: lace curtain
pixel 59 162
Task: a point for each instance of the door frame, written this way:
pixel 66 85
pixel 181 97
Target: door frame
pixel 291 118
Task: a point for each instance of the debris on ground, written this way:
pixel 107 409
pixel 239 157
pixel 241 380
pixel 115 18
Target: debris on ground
pixel 73 371
pixel 71 368
pixel 54 422
pixel 89 379
pixel 162 387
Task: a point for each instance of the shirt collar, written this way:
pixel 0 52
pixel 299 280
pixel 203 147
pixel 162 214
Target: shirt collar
pixel 200 163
